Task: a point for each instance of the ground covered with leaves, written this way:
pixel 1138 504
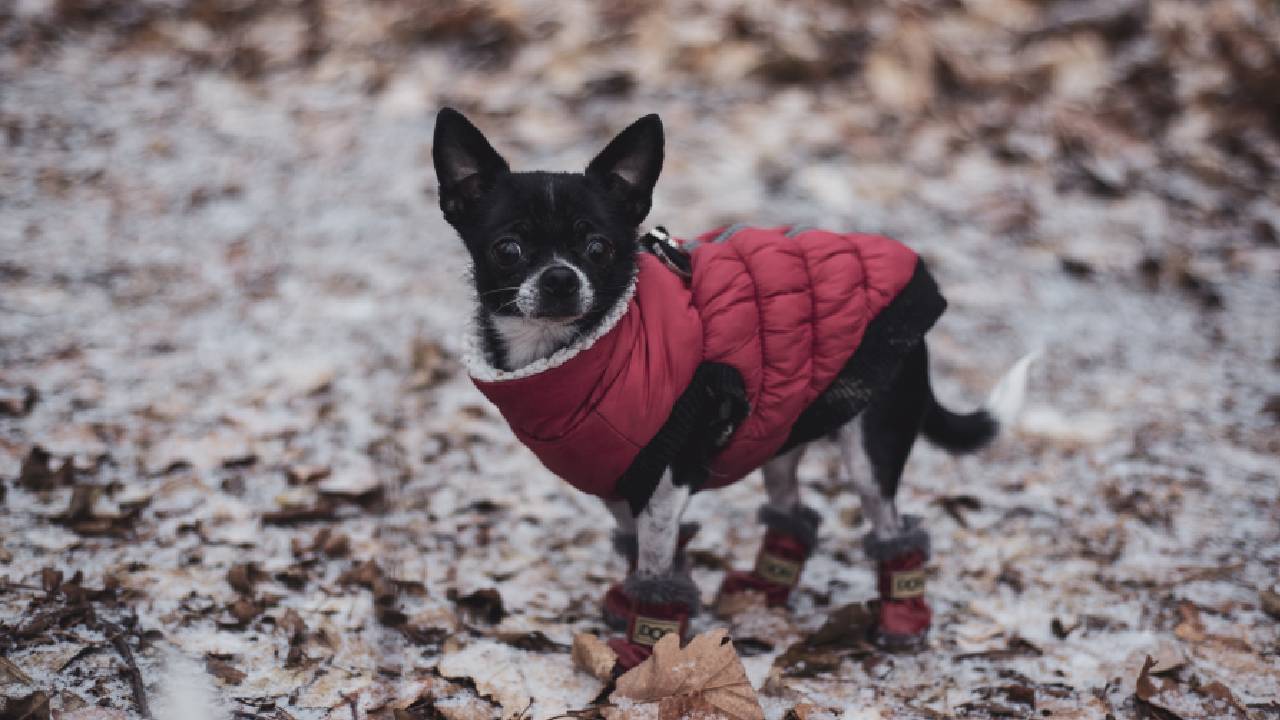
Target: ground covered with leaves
pixel 242 475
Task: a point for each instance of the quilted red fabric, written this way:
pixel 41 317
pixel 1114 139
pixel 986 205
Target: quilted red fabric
pixel 785 309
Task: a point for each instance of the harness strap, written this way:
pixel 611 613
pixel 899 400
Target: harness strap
pixel 675 256
pixel 658 243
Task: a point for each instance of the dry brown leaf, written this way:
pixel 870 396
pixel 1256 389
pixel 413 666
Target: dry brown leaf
pixel 322 510
pixel 244 610
pixel 688 707
pixel 707 672
pixel 296 630
pixel 591 655
pixel 303 474
pixel 1169 658
pixel 242 577
pixel 224 671
pixel 17 402
pixel 30 707
pixel 1146 688
pixel 484 605
pixel 459 703
pixel 430 363
pixel 38 471
pixel 1191 628
pixel 1213 700
pixel 807 711
pixel 1271 601
pixel 12 673
pixel 524 684
pixel 899 70
pixel 1222 694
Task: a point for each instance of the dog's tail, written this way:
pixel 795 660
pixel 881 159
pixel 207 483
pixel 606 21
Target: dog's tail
pixel 967 432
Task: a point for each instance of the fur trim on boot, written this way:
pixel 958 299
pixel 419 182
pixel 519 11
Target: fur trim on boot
pixel 788 543
pixel 616 606
pixel 912 537
pixel 800 523
pixel 903 617
pixel 663 589
pixel 656 606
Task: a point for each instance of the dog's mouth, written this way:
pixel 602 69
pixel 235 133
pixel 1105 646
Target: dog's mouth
pixel 542 312
pixel 565 309
pixel 557 319
pixel 550 313
pixel 557 316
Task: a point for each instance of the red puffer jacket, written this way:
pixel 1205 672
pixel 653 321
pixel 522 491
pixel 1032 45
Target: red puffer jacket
pixel 786 309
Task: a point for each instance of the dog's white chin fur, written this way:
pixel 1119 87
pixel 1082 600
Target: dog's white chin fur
pixel 529 339
pixel 537 345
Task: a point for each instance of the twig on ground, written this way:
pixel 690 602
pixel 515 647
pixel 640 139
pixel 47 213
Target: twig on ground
pixel 116 635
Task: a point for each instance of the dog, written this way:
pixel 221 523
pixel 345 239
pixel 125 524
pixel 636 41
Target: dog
pixel 642 369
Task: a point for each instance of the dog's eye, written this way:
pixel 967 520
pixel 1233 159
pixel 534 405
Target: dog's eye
pixel 507 252
pixel 599 250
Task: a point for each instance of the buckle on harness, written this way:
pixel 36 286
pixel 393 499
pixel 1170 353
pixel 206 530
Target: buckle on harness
pixel 658 242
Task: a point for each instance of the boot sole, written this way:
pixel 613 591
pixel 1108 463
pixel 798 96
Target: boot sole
pixel 900 644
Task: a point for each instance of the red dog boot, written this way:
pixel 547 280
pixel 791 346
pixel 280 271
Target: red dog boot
pixel 904 616
pixel 656 606
pixel 788 543
pixel 615 607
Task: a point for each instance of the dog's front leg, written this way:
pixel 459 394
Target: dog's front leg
pixel 615 606
pixel 660 597
pixel 660 581
pixel 658 527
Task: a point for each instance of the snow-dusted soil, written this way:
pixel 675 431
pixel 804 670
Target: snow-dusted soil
pixel 223 272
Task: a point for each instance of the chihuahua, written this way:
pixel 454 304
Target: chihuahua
pixel 642 369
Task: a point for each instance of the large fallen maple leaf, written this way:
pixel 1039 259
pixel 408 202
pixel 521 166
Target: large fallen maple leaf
pixel 705 677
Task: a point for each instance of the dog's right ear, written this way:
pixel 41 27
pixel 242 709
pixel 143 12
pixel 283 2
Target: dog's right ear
pixel 466 164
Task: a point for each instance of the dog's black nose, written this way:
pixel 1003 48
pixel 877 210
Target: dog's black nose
pixel 559 282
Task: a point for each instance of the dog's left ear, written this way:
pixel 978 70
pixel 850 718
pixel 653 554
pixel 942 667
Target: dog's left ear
pixel 630 164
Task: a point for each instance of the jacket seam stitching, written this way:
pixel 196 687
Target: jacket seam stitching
pixel 624 436
pixel 813 318
pixel 764 366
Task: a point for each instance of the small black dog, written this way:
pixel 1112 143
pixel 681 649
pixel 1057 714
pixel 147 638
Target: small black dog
pixel 561 270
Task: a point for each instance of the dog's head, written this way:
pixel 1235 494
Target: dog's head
pixel 549 247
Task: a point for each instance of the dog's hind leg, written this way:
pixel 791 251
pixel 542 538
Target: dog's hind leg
pixel 875 485
pixel 790 533
pixel 782 480
pixel 874 448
